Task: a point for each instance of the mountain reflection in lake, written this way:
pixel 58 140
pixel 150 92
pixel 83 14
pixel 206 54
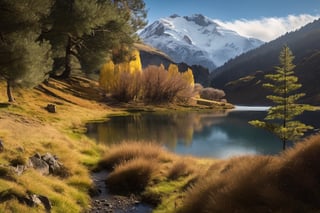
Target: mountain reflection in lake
pixel 218 135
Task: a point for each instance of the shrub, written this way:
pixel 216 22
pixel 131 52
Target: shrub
pixel 131 176
pixel 181 168
pixel 212 94
pixel 161 86
pixel 127 151
pixel 126 87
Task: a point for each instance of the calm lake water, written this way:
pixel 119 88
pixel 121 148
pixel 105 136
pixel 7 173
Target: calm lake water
pixel 216 134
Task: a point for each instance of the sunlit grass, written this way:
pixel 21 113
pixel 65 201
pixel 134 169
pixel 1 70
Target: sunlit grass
pixel 161 177
pixel 27 128
pixel 129 150
pixel 285 183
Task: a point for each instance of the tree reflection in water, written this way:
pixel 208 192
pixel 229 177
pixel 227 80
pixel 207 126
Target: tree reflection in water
pixel 214 134
pixel 163 128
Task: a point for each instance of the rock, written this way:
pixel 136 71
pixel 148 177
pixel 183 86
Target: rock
pixel 37 155
pixel 34 200
pixel 39 164
pixel 48 164
pixel 1 146
pixel 19 169
pixel 45 202
pixel 51 108
pixel 54 164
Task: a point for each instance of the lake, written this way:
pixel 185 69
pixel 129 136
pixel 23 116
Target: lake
pixel 214 134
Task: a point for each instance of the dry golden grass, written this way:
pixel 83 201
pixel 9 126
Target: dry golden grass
pixel 127 151
pixel 182 167
pixel 26 128
pixel 286 183
pixel 132 176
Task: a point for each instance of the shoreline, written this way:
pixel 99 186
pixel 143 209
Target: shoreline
pixel 27 128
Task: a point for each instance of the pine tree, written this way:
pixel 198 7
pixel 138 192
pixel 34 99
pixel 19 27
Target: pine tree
pixel 86 32
pixel 25 59
pixel 280 119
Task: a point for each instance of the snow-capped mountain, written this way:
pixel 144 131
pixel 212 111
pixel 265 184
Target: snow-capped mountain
pixel 196 40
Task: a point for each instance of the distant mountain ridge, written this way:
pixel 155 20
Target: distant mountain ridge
pixel 242 77
pixel 196 40
pixel 150 56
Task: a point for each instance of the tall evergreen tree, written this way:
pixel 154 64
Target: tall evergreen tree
pixel 280 119
pixel 86 31
pixel 24 58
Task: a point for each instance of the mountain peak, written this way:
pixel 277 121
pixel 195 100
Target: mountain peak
pixel 196 40
pixel 174 16
pixel 200 20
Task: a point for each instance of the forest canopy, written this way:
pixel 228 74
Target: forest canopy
pixel 39 38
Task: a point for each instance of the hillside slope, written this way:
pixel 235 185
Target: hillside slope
pixel 242 77
pixel 27 129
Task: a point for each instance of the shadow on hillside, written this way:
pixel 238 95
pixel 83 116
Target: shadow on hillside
pixel 4 105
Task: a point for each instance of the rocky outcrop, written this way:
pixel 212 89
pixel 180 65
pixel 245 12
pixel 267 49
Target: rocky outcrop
pixel 29 199
pixel 48 164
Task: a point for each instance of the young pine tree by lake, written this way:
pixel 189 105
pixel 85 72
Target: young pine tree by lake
pixel 281 117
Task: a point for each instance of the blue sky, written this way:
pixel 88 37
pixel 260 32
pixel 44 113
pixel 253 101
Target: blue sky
pixel 251 17
pixel 229 10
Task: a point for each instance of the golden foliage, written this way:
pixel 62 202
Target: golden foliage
pixel 111 75
pixel 107 76
pixel 135 64
pixel 188 76
pixel 173 70
pixel 285 183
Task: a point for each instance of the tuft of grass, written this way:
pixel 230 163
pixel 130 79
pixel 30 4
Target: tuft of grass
pixel 180 168
pixel 127 151
pixel 131 176
pixel 285 183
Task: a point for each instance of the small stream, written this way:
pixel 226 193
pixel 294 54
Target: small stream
pixel 106 202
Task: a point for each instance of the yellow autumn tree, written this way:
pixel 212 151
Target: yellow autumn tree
pixel 107 76
pixel 135 64
pixel 173 70
pixel 122 79
pixel 188 76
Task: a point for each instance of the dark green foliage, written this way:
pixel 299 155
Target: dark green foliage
pixel 86 31
pixel 280 118
pixel 24 58
pixel 41 36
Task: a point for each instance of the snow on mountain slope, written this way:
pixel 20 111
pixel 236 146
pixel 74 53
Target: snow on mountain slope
pixel 196 40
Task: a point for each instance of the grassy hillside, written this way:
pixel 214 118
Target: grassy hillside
pixel 27 128
pixel 241 77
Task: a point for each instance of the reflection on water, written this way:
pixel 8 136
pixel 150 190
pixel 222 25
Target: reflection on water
pixel 217 135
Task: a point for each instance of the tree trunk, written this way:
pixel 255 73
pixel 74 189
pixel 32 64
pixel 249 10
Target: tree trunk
pixel 67 67
pixel 9 92
pixel 283 145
